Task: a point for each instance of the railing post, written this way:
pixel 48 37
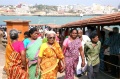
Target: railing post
pixel 83 30
pixel 98 31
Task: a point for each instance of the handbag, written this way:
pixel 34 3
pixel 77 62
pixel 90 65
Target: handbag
pixel 60 67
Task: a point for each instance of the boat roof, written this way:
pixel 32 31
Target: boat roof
pixel 105 20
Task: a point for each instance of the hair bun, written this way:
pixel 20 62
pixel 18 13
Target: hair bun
pixel 13 33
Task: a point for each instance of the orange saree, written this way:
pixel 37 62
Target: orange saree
pixel 13 64
pixel 49 60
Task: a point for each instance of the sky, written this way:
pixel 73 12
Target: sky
pixel 114 3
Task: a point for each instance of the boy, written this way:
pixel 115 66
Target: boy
pixel 92 50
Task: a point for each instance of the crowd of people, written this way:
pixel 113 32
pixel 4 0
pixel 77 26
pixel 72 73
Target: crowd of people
pixel 110 52
pixel 3 32
pixel 41 56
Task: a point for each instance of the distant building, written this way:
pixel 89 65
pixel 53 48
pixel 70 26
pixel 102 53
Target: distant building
pixel 22 9
pixel 100 9
pixel 61 9
pixel 76 8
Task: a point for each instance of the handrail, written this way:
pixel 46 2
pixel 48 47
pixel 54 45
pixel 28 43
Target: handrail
pixel 108 75
pixel 109 63
pixel 112 65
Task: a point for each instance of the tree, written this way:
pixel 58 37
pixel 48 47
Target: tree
pixel 115 9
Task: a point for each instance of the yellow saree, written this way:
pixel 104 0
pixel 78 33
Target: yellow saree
pixel 13 64
pixel 49 60
pixel 7 56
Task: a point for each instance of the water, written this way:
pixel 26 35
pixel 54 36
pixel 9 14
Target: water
pixel 45 19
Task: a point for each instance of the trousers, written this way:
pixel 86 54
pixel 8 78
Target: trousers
pixel 93 71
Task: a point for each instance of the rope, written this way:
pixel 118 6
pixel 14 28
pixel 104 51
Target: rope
pixel 110 63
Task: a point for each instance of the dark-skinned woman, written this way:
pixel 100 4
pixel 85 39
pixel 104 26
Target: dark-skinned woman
pixel 32 45
pixel 72 46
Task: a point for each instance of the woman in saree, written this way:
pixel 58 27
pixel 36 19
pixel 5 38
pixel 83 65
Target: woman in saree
pixel 32 46
pixel 15 65
pixel 72 47
pixel 49 57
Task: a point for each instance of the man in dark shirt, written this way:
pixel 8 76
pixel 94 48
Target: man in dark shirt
pixel 114 45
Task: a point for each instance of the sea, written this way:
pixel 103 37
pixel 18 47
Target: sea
pixel 59 20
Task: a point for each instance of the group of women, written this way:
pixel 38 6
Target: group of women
pixel 32 59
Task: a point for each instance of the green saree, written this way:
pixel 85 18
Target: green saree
pixel 32 55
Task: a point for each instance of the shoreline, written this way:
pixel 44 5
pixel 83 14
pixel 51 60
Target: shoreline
pixel 53 15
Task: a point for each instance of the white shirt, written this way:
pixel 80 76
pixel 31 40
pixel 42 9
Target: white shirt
pixel 85 39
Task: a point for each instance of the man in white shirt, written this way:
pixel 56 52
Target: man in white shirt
pixel 84 39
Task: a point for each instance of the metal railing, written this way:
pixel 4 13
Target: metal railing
pixel 116 66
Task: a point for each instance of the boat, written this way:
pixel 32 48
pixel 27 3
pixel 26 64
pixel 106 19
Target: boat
pixel 81 15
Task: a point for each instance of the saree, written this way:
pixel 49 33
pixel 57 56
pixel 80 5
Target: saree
pixel 32 56
pixel 13 64
pixel 7 58
pixel 49 60
pixel 71 58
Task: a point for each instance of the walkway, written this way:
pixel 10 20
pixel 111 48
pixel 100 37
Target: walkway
pixel 60 76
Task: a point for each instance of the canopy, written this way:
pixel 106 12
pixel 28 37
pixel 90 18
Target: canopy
pixel 105 20
pixel 53 26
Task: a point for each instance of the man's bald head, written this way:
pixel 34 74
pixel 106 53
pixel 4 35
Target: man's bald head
pixel 80 33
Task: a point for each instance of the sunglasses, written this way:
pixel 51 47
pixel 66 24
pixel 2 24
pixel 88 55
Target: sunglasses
pixel 51 38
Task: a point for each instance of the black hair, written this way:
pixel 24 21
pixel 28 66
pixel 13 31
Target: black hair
pixel 14 37
pixel 32 30
pixel 116 28
pixel 26 33
pixel 5 29
pixel 73 30
pixel 13 34
pixel 91 28
pixel 93 35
